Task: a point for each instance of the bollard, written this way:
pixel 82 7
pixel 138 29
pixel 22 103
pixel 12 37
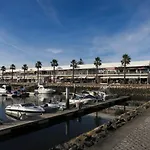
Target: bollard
pixel 67 97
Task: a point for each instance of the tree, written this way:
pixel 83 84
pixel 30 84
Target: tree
pixel 125 61
pixel 3 69
pixel 12 67
pixel 97 63
pixel 80 62
pixel 73 65
pixel 54 63
pixel 24 67
pixel 38 65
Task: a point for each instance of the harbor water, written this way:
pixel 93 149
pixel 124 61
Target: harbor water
pixel 48 137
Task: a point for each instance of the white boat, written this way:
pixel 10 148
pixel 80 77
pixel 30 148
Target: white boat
pixel 85 99
pixel 42 90
pixel 51 105
pixel 102 95
pixel 22 111
pixel 3 90
pixel 43 97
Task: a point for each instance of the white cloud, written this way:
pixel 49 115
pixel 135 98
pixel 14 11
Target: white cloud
pixel 10 40
pixel 54 51
pixel 49 10
pixel 133 41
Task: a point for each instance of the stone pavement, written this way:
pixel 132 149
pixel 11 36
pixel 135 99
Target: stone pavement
pixel 135 135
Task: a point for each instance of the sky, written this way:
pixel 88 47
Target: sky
pixel 42 30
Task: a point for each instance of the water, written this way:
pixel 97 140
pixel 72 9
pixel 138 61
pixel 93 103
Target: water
pixel 47 137
pixel 38 100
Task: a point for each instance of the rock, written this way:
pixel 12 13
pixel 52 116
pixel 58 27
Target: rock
pixel 59 147
pixel 88 143
pixel 73 147
pixel 102 134
pixel 66 146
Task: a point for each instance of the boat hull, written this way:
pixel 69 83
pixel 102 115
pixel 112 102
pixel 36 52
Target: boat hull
pixel 21 95
pixel 21 114
pixel 44 91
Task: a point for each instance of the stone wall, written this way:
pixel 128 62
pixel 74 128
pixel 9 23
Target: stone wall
pixel 92 137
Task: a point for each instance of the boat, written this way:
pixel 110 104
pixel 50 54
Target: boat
pixel 85 99
pixel 42 90
pixel 3 90
pixel 20 95
pixel 22 111
pixel 55 105
pixel 52 105
pixel 100 95
pixel 43 97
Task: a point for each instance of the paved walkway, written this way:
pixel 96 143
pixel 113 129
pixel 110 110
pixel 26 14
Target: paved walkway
pixel 135 135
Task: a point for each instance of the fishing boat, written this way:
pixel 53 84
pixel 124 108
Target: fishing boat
pixel 25 110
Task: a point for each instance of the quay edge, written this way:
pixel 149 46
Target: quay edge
pixel 91 138
pixel 26 126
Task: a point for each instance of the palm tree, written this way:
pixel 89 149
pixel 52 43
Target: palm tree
pixel 80 62
pixel 97 63
pixel 125 61
pixel 24 67
pixel 54 63
pixel 12 67
pixel 3 69
pixel 38 65
pixel 73 65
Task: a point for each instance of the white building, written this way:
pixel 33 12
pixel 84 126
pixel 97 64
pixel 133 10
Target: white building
pixel 137 71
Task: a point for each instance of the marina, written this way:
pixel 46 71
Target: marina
pixel 50 119
pixel 74 75
pixel 65 124
pixel 48 137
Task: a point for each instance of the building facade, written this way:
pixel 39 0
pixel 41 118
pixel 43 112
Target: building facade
pixel 137 72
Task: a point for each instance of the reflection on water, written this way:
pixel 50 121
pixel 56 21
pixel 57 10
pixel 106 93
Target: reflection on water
pixel 39 99
pixel 47 137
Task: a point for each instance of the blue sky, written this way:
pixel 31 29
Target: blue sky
pixel 32 30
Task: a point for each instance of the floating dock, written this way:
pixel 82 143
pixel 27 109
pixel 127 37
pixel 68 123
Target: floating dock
pixel 48 119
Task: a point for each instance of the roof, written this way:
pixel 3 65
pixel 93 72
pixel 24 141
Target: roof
pixel 90 66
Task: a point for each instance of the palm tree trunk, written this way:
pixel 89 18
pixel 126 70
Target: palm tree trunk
pixel 96 74
pixel 124 74
pixel 12 75
pixel 2 75
pixel 53 75
pixel 24 75
pixel 73 74
pixel 38 75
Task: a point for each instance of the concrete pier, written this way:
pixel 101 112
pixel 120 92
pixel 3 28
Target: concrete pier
pixel 22 127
